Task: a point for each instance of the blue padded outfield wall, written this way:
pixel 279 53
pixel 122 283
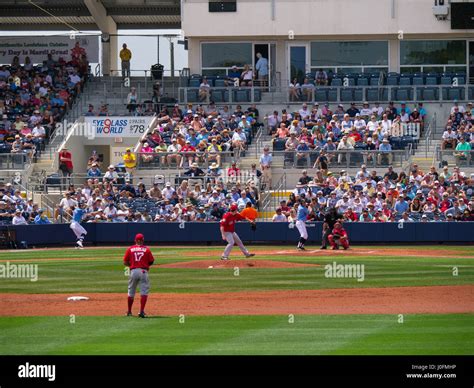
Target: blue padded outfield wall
pixel 267 232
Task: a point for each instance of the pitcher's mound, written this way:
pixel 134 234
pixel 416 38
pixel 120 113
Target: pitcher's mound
pixel 217 264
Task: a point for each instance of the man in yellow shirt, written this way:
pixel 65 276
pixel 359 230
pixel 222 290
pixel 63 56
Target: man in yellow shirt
pixel 130 161
pixel 125 56
pixel 249 212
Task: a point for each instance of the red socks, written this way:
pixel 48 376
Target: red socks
pixel 130 303
pixel 143 300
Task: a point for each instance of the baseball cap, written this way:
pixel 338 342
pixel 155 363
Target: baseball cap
pixel 233 207
pixel 139 236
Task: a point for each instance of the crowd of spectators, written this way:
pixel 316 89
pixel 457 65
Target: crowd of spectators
pixel 357 128
pixel 34 97
pixel 425 196
pixel 198 135
pixel 459 132
pixel 109 202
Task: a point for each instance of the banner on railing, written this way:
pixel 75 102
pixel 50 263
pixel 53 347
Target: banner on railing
pixel 37 48
pixel 118 126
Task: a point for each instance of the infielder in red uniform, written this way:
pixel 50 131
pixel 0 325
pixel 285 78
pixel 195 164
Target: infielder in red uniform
pixel 338 237
pixel 139 258
pixel 228 232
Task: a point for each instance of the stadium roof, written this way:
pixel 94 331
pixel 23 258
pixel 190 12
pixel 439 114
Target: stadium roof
pixel 22 15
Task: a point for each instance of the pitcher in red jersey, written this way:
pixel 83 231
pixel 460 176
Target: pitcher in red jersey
pixel 228 232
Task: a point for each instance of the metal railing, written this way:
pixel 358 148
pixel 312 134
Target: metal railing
pixel 271 198
pixel 280 95
pixel 13 161
pixel 429 135
pixel 180 160
pixel 342 158
pixel 460 158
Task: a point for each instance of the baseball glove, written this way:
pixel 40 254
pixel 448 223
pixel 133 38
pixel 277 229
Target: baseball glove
pixel 253 226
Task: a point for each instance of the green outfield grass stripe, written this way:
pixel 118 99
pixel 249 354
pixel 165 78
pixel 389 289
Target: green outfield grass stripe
pixel 420 334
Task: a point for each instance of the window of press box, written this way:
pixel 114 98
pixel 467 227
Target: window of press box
pixel 226 55
pixel 433 52
pixel 349 54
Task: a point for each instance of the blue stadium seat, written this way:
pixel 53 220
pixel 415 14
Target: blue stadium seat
pixel 446 80
pixel 362 81
pixel 217 95
pixel 336 82
pixel 403 94
pixel 358 94
pixel 257 95
pixel 471 93
pixel 194 83
pixel 429 94
pixel 332 95
pixel 219 83
pixel 347 95
pixel 321 95
pixel 241 95
pixel 431 80
pixel 350 79
pixel 372 94
pixel 374 81
pixel 418 80
pixel 392 80
pixel 405 81
pixel 461 78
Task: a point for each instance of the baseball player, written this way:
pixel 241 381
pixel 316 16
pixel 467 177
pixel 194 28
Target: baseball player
pixel 79 231
pixel 338 237
pixel 301 218
pixel 139 258
pixel 227 226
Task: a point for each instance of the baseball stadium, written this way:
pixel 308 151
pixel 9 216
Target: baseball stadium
pixel 277 177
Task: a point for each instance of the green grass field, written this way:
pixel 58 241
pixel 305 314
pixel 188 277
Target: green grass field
pixel 427 334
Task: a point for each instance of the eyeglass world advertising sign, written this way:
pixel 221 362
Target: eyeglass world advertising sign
pixel 38 48
pixel 118 126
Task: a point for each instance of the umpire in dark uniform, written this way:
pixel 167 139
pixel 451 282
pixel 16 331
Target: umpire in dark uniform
pixel 329 220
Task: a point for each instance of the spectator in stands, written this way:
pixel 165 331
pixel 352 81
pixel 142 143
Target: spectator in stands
pixel 266 166
pixel 279 216
pixel 194 171
pixel 94 171
pixel 307 90
pixel 385 151
pixel 261 66
pixel 246 78
pixel 41 218
pixel 111 176
pixel 174 153
pixel 249 212
pixel 132 101
pixel 463 151
pixel 321 78
pixel 130 161
pixel 125 57
pixel 449 138
pixel 18 218
pixel 295 90
pixel 65 163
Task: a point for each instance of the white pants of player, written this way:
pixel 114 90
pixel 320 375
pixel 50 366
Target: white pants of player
pixel 77 229
pixel 301 226
pixel 233 238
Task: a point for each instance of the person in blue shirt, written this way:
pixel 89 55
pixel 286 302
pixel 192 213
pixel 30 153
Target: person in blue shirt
pixel 385 150
pixel 401 206
pixel 41 218
pixel 262 68
pixel 94 171
pixel 77 216
pixel 301 217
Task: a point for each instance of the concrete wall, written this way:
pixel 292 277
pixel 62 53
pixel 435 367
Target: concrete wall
pixel 315 18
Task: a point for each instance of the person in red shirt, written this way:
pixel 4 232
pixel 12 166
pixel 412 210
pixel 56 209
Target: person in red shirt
pixel 139 258
pixel 65 164
pixel 227 226
pixel 188 152
pixel 338 237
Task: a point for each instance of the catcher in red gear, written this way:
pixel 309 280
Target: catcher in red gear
pixel 338 237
